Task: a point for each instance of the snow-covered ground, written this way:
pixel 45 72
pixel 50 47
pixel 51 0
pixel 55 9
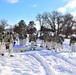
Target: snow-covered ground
pixel 40 62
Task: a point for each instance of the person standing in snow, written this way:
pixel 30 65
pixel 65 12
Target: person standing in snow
pixel 2 45
pixel 43 37
pixel 7 39
pixel 53 42
pixel 58 43
pixel 62 40
pixel 24 40
pixel 36 37
pixel 9 43
pixel 33 41
pixel 21 38
pixel 49 42
pixel 72 43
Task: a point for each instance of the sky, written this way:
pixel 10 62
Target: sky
pixel 16 10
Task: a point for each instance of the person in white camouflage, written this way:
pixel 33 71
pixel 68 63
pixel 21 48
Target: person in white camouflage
pixel 49 42
pixel 58 43
pixel 43 37
pixel 21 38
pixel 72 43
pixel 53 42
pixel 2 45
pixel 33 41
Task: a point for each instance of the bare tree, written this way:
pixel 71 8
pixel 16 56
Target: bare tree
pixel 57 22
pixel 50 20
pixel 54 20
pixel 3 24
pixel 39 18
pixel 68 23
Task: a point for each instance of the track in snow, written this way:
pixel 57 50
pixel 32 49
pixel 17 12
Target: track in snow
pixel 65 59
pixel 48 69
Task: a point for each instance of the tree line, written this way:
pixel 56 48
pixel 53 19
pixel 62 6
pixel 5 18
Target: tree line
pixel 54 21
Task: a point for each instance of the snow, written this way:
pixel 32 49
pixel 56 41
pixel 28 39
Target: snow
pixel 39 62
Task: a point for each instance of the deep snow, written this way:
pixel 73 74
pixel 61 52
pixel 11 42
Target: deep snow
pixel 39 62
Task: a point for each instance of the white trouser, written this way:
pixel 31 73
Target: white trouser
pixel 46 43
pixel 62 46
pixel 49 45
pixel 53 44
pixel 73 47
pixel 58 47
pixel 2 48
pixel 32 44
pixel 42 43
pixel 21 41
pixel 24 42
pixel 10 48
pixel 35 43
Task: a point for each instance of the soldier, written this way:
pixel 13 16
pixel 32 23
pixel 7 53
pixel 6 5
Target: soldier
pixel 49 43
pixel 36 37
pixel 2 45
pixel 32 40
pixel 72 43
pixel 24 40
pixel 58 43
pixel 17 39
pixel 6 42
pixel 53 42
pixel 21 38
pixel 9 43
pixel 44 39
pixel 1 50
pixel 1 36
pixel 14 38
pixel 62 40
